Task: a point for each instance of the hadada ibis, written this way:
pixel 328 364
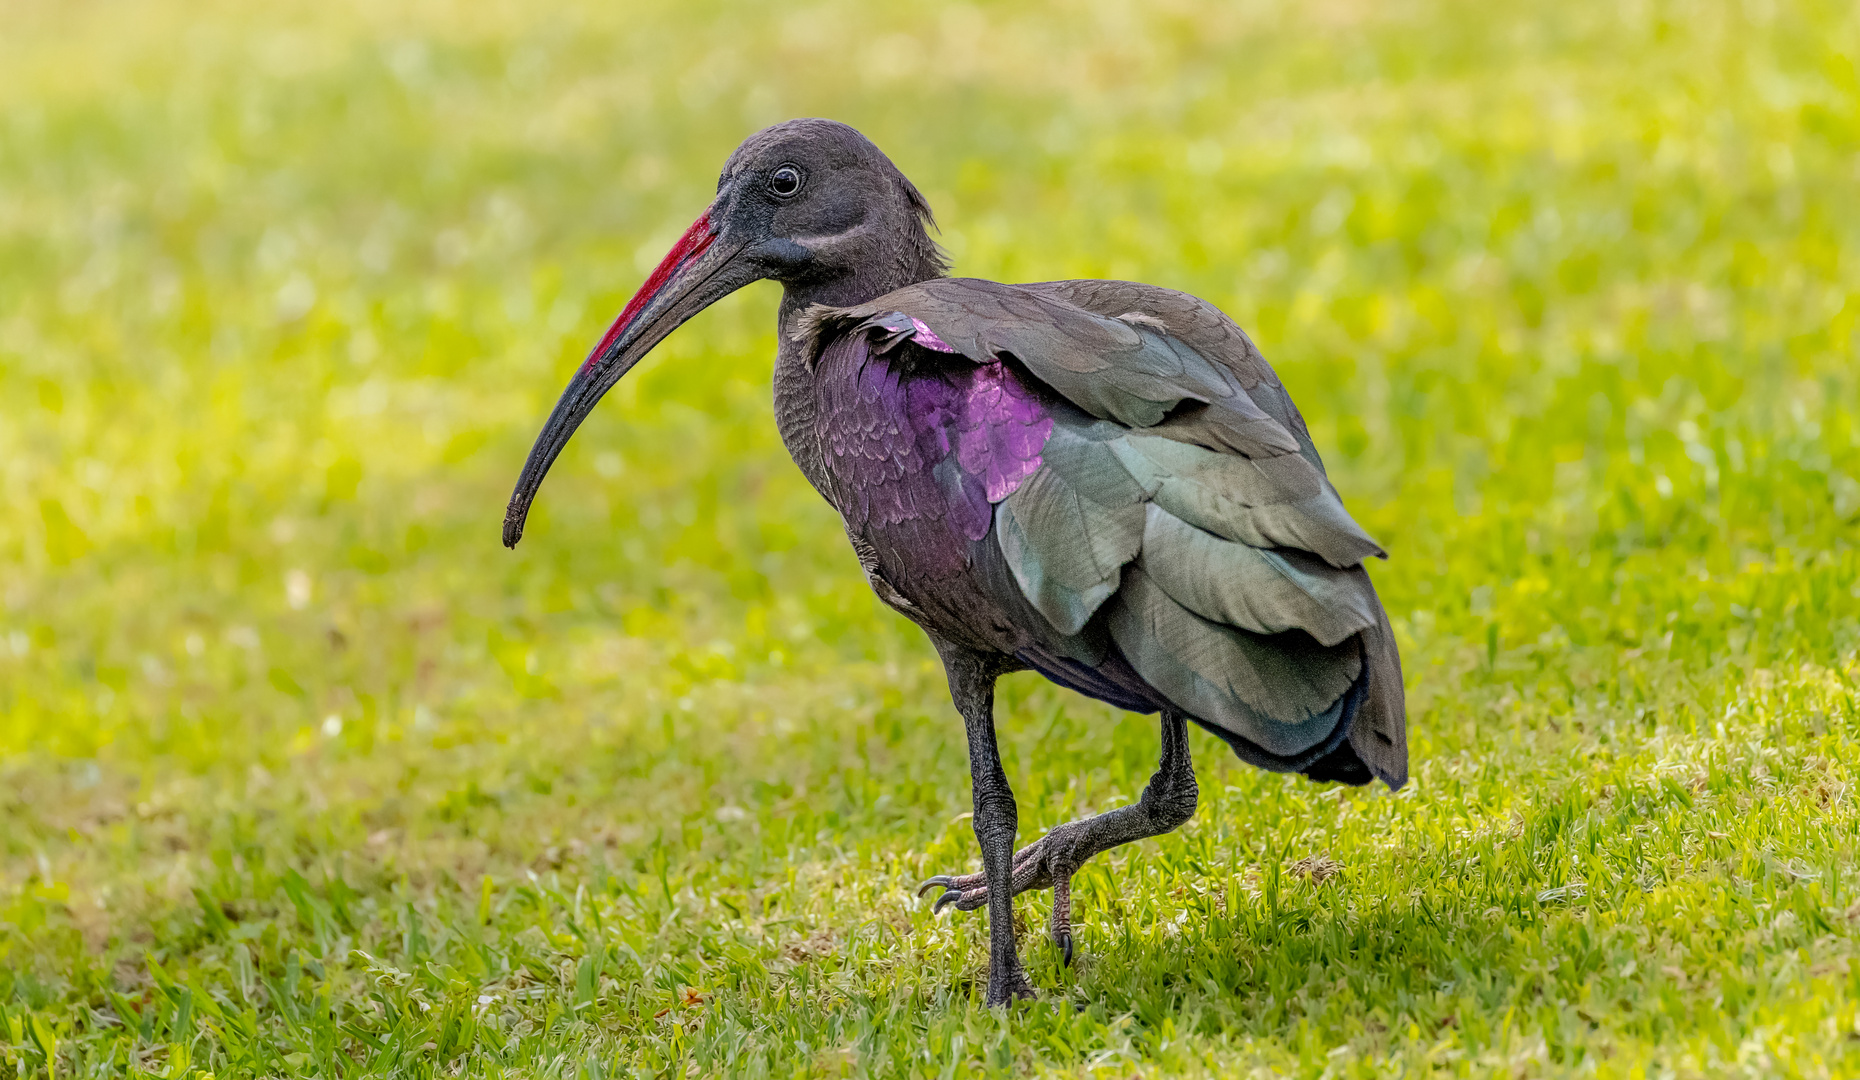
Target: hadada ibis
pixel 1100 481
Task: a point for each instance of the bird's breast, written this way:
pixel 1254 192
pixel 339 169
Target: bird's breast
pixel 915 456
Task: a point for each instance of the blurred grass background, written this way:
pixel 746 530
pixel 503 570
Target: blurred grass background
pixel 301 773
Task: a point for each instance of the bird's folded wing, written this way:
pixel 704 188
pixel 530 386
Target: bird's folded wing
pixel 1379 732
pixel 1198 522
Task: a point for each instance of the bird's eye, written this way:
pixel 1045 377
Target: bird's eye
pixel 785 181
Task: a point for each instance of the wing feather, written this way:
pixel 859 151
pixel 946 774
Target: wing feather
pixel 1283 693
pixel 1066 551
pixel 1256 589
pixel 1266 502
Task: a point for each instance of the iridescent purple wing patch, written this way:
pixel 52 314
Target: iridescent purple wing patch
pixel 929 449
pixel 1000 429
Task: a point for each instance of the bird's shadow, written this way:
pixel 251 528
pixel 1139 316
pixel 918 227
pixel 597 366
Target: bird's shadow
pixel 1273 967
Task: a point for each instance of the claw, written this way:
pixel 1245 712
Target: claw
pixel 1065 946
pixel 941 879
pixel 950 896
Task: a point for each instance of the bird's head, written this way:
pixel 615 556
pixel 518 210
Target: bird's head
pixel 809 203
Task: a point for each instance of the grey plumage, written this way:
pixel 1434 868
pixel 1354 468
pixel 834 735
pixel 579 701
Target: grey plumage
pixel 1260 590
pixel 1284 694
pixel 1067 549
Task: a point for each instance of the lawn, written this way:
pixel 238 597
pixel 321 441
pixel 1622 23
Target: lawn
pixel 302 773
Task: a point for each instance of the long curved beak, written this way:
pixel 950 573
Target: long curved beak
pixel 695 274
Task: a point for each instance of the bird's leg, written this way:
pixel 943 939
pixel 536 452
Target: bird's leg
pixel 1167 802
pixel 972 686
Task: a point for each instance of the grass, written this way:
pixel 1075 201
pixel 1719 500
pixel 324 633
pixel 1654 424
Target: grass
pixel 302 774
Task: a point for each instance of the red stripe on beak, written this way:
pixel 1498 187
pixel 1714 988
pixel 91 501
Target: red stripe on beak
pixel 689 246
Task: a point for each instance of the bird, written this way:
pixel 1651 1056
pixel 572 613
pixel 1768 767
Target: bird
pixel 1103 482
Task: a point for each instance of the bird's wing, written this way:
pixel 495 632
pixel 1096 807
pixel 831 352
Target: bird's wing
pixel 1167 504
pixel 1379 733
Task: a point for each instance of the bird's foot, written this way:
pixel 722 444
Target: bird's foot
pixel 1007 987
pixel 1047 863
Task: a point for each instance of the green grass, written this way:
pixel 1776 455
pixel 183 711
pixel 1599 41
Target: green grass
pixel 302 774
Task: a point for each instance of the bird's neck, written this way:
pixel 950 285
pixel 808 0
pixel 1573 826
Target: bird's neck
pixel 912 258
pixel 794 381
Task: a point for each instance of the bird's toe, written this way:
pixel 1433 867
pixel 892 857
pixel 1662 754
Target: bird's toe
pixel 940 881
pixel 1060 928
pixel 956 887
pixel 962 899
